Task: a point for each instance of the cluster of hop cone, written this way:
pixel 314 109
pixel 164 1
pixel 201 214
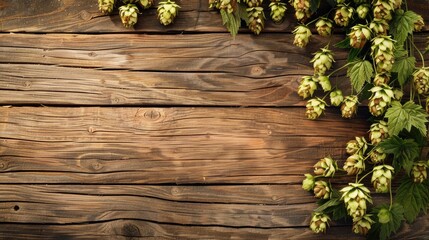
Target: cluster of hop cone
pixel 129 10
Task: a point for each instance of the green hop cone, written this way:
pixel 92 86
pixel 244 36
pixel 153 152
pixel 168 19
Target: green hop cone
pixel 354 164
pixel 307 87
pixel 381 79
pixel 419 24
pixel 324 83
pixel 379 27
pixel 398 94
pixel 322 190
pixel 343 15
pixel 421 80
pixel 278 10
pixel 315 108
pixel 382 52
pixel 358 145
pixel 359 35
pixel 383 216
pixel 362 225
pixel 378 132
pixel 302 36
pixel 256 19
pixel 319 222
pixel 427 105
pixel 146 3
pixel 326 167
pixel 349 106
pixel 336 97
pixel 226 5
pixel 380 100
pixel 362 10
pixel 106 6
pixel 397 4
pixel 308 182
pixel 419 172
pixel 355 197
pixel 129 15
pixel 382 177
pixel 322 61
pixel 324 26
pixel 302 9
pixel 377 155
pixel 215 4
pixel 167 12
pixel 254 3
pixel 382 9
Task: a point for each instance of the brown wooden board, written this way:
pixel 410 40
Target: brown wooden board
pixel 166 145
pixel 196 69
pixel 83 16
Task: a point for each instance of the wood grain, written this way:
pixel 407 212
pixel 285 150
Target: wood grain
pixel 83 16
pixel 166 145
pixel 197 69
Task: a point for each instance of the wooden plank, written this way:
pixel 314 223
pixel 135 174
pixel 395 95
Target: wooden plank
pixel 83 16
pixel 165 145
pixel 197 69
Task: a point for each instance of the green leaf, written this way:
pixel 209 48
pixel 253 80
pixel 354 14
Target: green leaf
pixel 406 116
pixel 243 13
pixel 353 54
pixel 403 24
pixel 232 21
pixel 345 43
pixel 382 231
pixel 404 67
pixel 314 5
pixel 359 73
pixel 334 207
pixel 414 197
pixel 404 151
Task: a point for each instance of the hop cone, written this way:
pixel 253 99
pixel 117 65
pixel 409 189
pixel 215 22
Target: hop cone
pixel 356 196
pixel 397 4
pixel 419 172
pixel 378 132
pixel 382 9
pixel 322 61
pixel 324 83
pixel 226 5
pixel 362 225
pixel 379 27
pixel 254 3
pixel 319 222
pixel 421 80
pixel 106 6
pixel 343 14
pixel 377 155
pixel 357 146
pixel 146 3
pixel 167 11
pixel 322 190
pixel 382 177
pixel 380 100
pixel 359 35
pixel 349 106
pixel 324 26
pixel 381 79
pixel 382 52
pixel 315 108
pixel 302 9
pixel 129 15
pixel 362 10
pixel 419 24
pixel 307 87
pixel 256 19
pixel 354 164
pixel 278 10
pixel 336 97
pixel 325 167
pixel 308 182
pixel 215 4
pixel 302 36
pixel 398 94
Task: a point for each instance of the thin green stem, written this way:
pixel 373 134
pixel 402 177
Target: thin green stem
pixel 364 176
pixel 339 69
pixel 420 53
pixel 391 195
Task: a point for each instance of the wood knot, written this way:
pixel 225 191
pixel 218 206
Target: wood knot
pixel 91 130
pixel 130 231
pixel 92 54
pixel 85 15
pixel 152 115
pixel 257 71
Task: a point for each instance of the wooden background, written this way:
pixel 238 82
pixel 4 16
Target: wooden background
pixel 159 133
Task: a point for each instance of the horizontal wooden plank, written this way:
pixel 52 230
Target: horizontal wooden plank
pixel 165 145
pixel 83 16
pixel 198 69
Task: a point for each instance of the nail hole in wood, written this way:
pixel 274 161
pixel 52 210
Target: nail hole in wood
pixel 16 208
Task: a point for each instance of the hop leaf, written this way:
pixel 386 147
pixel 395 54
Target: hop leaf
pixel 359 73
pixel 406 116
pixel 404 66
pixel 402 25
pixel 414 197
pixel 395 215
pixel 404 151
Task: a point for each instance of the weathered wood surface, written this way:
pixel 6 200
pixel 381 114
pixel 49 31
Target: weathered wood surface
pixel 83 16
pixel 170 212
pixel 196 69
pixel 166 145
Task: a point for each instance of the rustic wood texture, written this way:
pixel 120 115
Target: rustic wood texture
pixel 83 16
pixel 166 145
pixel 196 69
